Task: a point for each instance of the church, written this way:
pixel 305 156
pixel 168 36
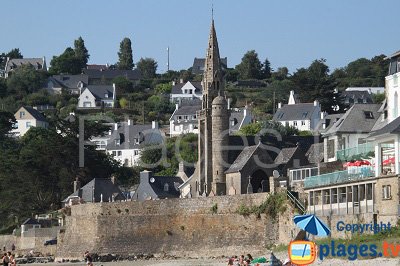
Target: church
pixel 227 165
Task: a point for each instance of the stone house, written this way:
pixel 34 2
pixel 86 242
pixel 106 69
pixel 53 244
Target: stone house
pixel 303 116
pixel 72 84
pixel 97 96
pixel 12 64
pixel 28 117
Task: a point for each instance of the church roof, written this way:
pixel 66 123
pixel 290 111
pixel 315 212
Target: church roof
pixel 242 159
pixel 219 100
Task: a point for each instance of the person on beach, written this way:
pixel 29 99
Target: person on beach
pixel 5 259
pixel 11 259
pixel 88 259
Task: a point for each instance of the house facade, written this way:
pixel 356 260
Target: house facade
pixel 182 93
pixel 28 117
pixel 13 64
pixel 303 116
pixel 97 96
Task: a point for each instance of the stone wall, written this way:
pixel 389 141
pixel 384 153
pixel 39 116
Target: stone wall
pixel 183 227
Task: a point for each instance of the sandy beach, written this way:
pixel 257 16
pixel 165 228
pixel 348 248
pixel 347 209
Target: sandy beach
pixel 222 262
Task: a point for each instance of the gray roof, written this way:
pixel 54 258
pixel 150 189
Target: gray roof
pixel 173 183
pixel 315 153
pixel 359 118
pixel 70 81
pixel 391 128
pixel 329 121
pixel 35 113
pixel 354 96
pixel 177 88
pixel 300 111
pixel 30 221
pixel 97 187
pixel 128 133
pixel 37 63
pixel 188 110
pixel 99 91
pixel 242 159
pixel 112 73
pixel 285 155
pixel 198 65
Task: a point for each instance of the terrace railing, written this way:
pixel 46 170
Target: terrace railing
pixel 361 150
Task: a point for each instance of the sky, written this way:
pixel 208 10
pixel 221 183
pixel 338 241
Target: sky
pixel 289 33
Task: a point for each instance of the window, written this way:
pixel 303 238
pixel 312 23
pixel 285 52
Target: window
pixel 304 114
pixel 119 153
pixel 303 123
pixel 179 117
pixel 186 117
pixel 28 124
pixel 117 142
pixel 295 123
pixel 386 192
pixel 21 114
pixel 136 152
pixel 136 141
pixel 114 153
pixel 15 125
pixel 368 115
pixel 280 115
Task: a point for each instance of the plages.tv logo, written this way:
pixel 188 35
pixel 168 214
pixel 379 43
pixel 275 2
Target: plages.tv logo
pixel 301 251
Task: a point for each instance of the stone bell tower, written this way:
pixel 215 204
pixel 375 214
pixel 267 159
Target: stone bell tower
pixel 213 87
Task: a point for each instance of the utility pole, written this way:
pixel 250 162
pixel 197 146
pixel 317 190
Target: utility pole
pixel 167 58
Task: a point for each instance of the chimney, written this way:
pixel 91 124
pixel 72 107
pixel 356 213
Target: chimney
pixel 176 106
pixel 77 184
pixel 114 92
pixel 279 105
pixel 181 167
pixel 114 179
pixel 173 83
pixel 245 111
pixel 154 125
pixel 109 132
pixel 129 122
pixel 115 126
pixel 180 80
pixel 316 103
pixel 323 114
pixel 229 103
pixel 145 176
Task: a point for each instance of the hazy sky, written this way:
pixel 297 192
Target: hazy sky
pixel 289 33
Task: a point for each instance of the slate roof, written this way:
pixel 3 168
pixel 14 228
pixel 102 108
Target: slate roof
pixel 70 81
pixel 355 119
pixel 173 183
pixel 35 113
pixel 97 187
pixel 329 121
pixel 198 65
pixel 242 159
pixel 285 155
pixel 188 110
pixel 112 73
pixel 128 133
pixel 99 91
pixel 354 96
pixel 177 88
pixel 391 128
pixel 300 111
pixel 30 221
pixel 37 63
pixel 315 153
pixel 97 67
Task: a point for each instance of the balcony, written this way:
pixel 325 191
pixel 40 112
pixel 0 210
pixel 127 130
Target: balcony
pixel 362 150
pixel 338 177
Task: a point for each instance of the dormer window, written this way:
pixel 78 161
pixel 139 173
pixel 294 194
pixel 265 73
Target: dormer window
pixel 166 187
pixel 136 141
pixel 117 142
pixel 368 115
pixel 106 95
pixel 305 114
pixel 21 114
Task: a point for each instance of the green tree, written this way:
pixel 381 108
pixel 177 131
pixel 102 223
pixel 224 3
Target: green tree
pixel 125 55
pixel 147 67
pixel 250 66
pixel 163 88
pixel 25 79
pixel 267 70
pixel 123 85
pixel 250 129
pixel 123 102
pixel 13 54
pixel 7 120
pixel 66 63
pixel 280 74
pixel 81 52
pixel 3 88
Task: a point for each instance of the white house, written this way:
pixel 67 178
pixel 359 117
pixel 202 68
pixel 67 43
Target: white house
pixel 28 117
pixel 188 91
pixel 370 90
pixel 126 140
pixel 97 96
pixel 303 116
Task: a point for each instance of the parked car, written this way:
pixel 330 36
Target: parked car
pixel 51 242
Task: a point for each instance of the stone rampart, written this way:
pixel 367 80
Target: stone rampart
pixel 185 227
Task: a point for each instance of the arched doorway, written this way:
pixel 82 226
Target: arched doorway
pixel 259 181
